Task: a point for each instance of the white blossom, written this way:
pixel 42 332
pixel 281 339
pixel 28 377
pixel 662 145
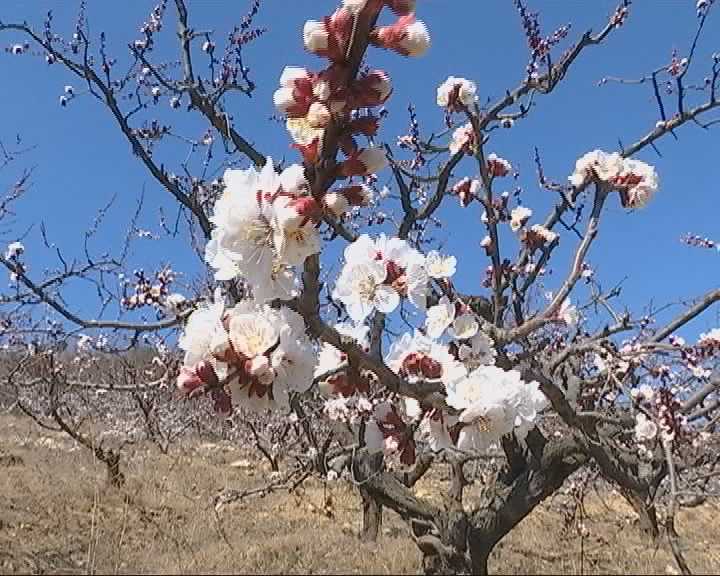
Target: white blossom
pixel 315 36
pixel 519 216
pixel 354 6
pixel 14 250
pixel 494 403
pixel 457 90
pixel 645 429
pixel 417 357
pixel 439 266
pixel 479 351
pixel 416 39
pixel 463 138
pixel 361 289
pixel 439 317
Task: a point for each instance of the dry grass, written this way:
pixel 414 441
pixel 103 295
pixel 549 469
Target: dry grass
pixel 57 515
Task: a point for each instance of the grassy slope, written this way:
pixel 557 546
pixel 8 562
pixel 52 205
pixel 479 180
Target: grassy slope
pixel 56 515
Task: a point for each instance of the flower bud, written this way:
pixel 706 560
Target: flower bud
pixel 315 36
pixel 371 90
pixel 336 204
pixel 407 36
pixel 318 115
pixel 364 162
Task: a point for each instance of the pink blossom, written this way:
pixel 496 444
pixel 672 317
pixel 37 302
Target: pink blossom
pixel 407 36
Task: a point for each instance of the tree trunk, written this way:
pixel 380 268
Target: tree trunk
pixel 372 517
pixel 115 477
pixel 368 465
pixel 647 518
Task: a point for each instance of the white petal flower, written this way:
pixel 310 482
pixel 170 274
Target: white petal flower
pixel 568 313
pixel 315 36
pixel 374 159
pixel 493 402
pixel 640 180
pixel 479 351
pixel 417 357
pixel 302 132
pixel 519 216
pixel 330 358
pixel 252 331
pixel 712 336
pixel 465 326
pixel 456 90
pixel 416 40
pixel 204 335
pixel 598 164
pixel 416 285
pixel 645 429
pixel 360 287
pixel 354 6
pixel 439 317
pixel 14 250
pixel 439 266
pixel 463 138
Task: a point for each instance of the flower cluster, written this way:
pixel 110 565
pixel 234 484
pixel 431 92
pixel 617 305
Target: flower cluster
pixel 377 274
pixel 494 403
pixel 314 101
pixel 250 355
pixel 148 293
pixel 636 181
pixel 265 225
pixel 456 94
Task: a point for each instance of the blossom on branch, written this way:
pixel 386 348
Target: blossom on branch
pixel 407 36
pixel 330 37
pixel 250 355
pixel 636 181
pixel 519 217
pixel 265 223
pixel 494 403
pixel 456 94
pixel 464 139
pixel 377 273
pixel 418 358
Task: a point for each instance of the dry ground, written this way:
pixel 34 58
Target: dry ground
pixel 57 515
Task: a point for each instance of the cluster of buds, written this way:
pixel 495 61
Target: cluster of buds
pixel 669 414
pixel 636 181
pixel 466 190
pixel 539 46
pixel 314 102
pixel 147 292
pixel 18 49
pixel 153 131
pixel 707 346
pixel 67 95
pixel 677 65
pixel 411 141
pixel 537 236
pixel 420 365
pixel 150 27
pixel 700 242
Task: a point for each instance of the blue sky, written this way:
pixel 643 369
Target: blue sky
pixel 81 159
